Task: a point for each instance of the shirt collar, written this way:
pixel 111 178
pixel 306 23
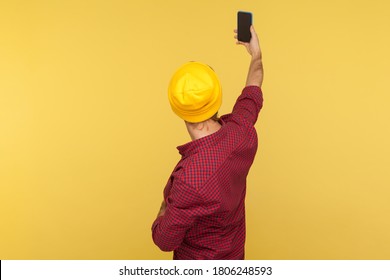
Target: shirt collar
pixel 194 146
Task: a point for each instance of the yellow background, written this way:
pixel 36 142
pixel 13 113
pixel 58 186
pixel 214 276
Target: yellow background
pixel 87 137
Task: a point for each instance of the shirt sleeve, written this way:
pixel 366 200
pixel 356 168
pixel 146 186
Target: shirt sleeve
pixel 184 206
pixel 249 104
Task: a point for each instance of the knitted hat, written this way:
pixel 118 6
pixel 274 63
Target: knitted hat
pixel 195 92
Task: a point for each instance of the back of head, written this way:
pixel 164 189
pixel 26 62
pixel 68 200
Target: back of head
pixel 194 92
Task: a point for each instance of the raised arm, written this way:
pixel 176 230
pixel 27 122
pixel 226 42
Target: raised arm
pixel 250 102
pixel 255 73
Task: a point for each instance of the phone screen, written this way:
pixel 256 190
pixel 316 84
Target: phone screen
pixel 244 21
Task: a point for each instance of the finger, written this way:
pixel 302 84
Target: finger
pixel 235 30
pixel 252 29
pixel 235 37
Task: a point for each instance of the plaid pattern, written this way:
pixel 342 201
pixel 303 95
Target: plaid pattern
pixel 205 194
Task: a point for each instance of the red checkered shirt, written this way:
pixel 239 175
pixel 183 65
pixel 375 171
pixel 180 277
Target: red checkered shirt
pixel 205 194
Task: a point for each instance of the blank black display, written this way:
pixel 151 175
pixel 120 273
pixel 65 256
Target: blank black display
pixel 244 21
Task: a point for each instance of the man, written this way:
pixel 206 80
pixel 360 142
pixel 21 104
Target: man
pixel 202 215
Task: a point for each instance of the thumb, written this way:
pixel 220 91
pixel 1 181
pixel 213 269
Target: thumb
pixel 252 29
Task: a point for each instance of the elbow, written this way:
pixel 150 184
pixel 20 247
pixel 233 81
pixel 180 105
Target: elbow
pixel 261 102
pixel 165 242
pixel 165 248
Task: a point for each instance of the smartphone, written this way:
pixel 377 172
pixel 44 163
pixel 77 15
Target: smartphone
pixel 244 22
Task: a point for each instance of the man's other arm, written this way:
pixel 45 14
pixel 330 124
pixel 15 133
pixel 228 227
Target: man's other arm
pixel 250 102
pixel 255 72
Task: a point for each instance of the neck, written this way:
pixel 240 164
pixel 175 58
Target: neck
pixel 202 129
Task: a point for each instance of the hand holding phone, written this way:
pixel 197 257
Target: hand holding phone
pixel 244 22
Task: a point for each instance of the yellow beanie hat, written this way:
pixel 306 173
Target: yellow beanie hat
pixel 195 92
